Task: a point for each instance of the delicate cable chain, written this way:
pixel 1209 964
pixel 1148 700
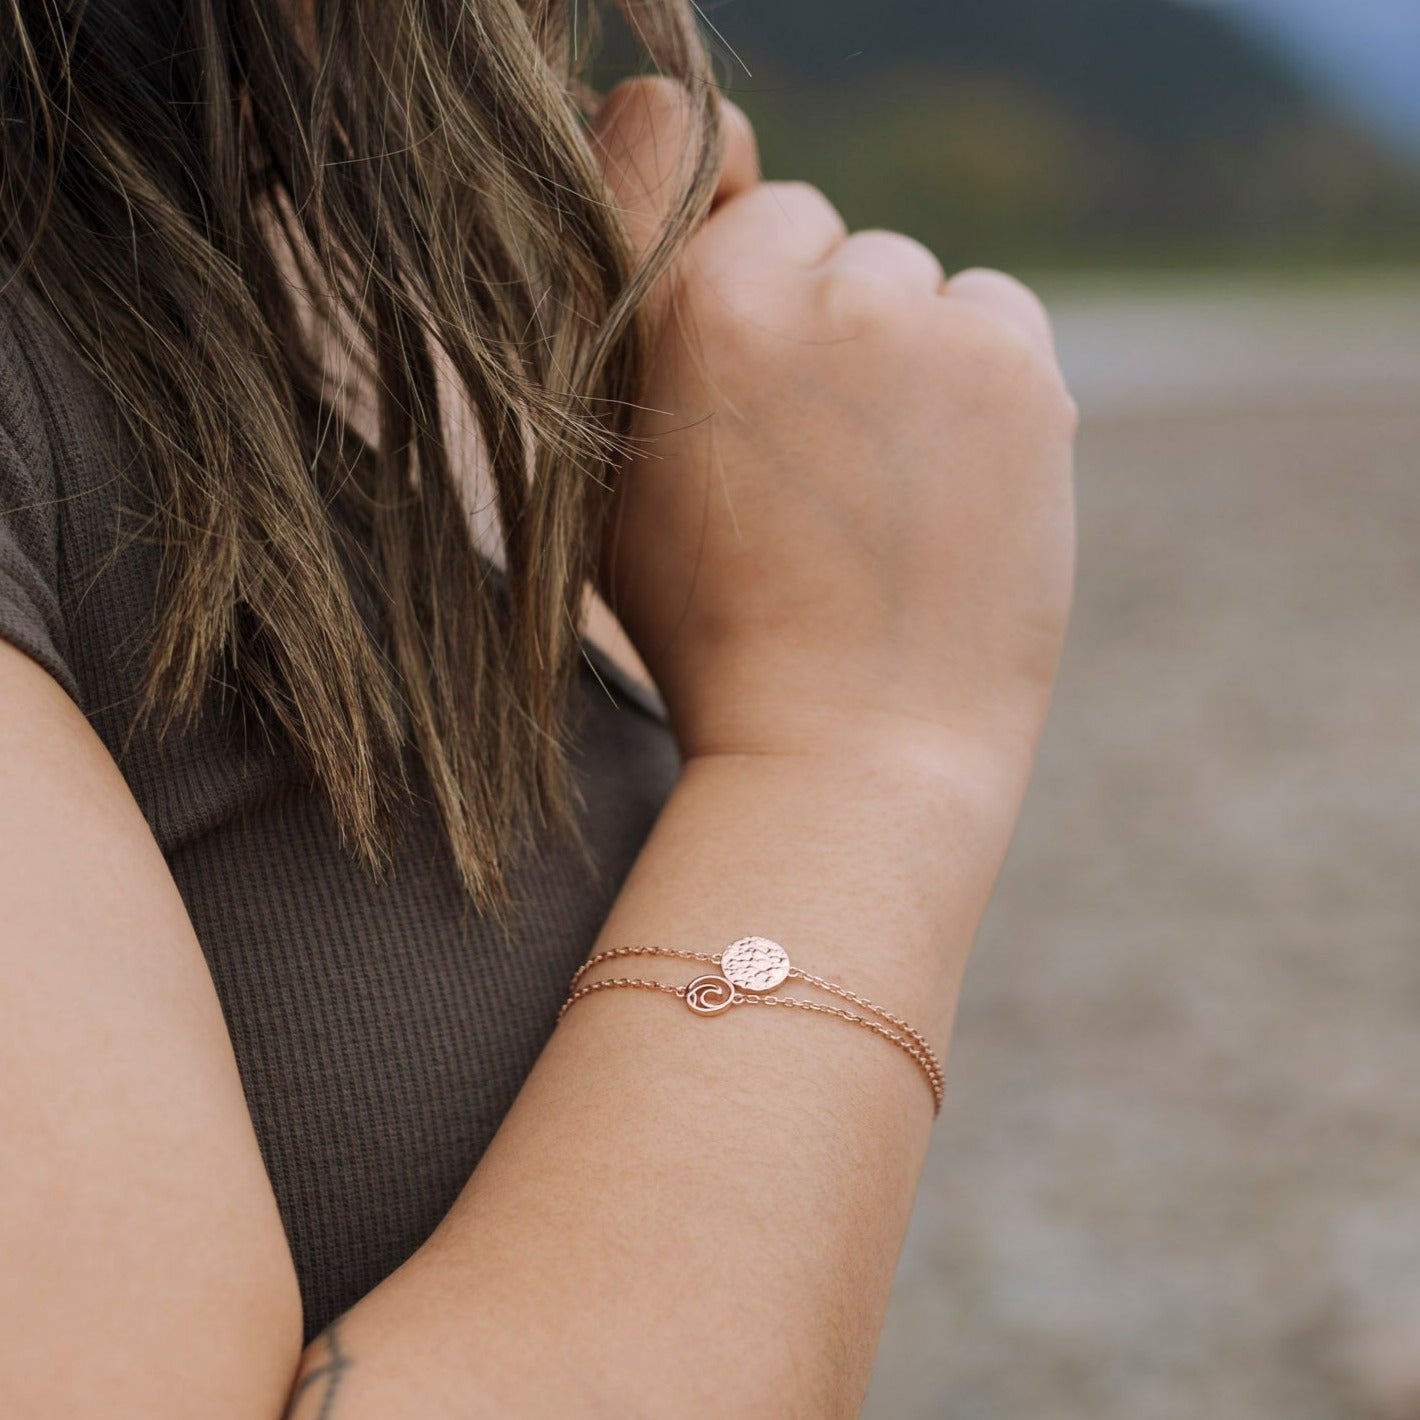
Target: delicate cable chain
pixel 611 952
pixel 934 1077
pixel 619 981
pixel 887 1015
pixel 930 1064
pixel 909 1041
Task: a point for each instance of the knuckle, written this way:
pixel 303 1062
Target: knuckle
pixel 1003 364
pixel 792 215
pixel 657 91
pixel 1009 285
pixel 797 194
pixel 886 240
pixel 736 121
pixel 1001 344
pixel 794 187
pixel 1005 293
pixel 634 110
pixel 800 205
pixel 855 293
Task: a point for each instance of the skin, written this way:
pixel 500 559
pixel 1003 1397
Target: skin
pixel 851 582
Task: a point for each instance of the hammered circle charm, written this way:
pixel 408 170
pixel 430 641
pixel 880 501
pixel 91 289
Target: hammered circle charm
pixel 755 963
pixel 709 995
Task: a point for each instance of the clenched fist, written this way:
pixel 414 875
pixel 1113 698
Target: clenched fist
pixel 854 519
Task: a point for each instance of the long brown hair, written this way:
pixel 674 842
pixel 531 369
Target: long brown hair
pixel 204 191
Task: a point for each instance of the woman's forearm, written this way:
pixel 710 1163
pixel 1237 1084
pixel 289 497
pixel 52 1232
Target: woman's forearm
pixel 699 1216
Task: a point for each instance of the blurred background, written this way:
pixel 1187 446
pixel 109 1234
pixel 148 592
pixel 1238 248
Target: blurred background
pixel 1178 1172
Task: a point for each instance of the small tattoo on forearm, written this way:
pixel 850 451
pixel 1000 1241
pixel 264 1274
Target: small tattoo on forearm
pixel 321 1384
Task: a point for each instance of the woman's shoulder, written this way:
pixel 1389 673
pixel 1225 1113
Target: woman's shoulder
pixel 63 469
pixel 80 579
pixel 36 381
pixel 41 375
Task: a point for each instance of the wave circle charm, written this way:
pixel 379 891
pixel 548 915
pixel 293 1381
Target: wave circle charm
pixel 709 995
pixel 755 964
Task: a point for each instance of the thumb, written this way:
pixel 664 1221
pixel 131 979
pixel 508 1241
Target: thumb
pixel 643 134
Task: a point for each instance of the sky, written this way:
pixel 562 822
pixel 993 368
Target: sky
pixel 1366 51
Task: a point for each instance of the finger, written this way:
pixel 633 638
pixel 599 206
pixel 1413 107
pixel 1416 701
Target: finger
pixel 642 134
pixel 893 255
pixel 1008 299
pixel 791 218
pixel 739 154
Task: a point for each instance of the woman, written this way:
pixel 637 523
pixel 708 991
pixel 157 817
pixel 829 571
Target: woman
pixel 313 798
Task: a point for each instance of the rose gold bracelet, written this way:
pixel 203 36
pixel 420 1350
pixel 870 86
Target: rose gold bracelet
pixel 756 965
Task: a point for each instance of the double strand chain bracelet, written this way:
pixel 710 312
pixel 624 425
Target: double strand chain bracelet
pixel 749 969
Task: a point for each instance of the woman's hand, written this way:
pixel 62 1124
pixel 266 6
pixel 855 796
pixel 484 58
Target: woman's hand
pixel 854 522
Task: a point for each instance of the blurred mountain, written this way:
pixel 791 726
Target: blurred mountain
pixel 1067 132
pixel 1175 70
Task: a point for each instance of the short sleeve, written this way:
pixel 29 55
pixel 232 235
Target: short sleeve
pixel 31 615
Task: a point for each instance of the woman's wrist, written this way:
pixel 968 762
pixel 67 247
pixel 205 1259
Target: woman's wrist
pixel 978 755
pixel 871 864
pixel 935 783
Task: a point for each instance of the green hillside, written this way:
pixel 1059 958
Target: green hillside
pixel 1063 132
pixel 1175 72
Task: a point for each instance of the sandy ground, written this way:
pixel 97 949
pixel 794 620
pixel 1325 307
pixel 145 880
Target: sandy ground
pixel 1178 1172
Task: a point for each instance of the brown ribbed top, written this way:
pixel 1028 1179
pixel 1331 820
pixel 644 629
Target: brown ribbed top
pixel 381 1029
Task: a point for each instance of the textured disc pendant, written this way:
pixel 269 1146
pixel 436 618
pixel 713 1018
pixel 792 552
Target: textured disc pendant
pixel 755 964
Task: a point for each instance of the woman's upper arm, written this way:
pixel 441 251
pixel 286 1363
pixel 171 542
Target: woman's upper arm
pixel 145 1270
